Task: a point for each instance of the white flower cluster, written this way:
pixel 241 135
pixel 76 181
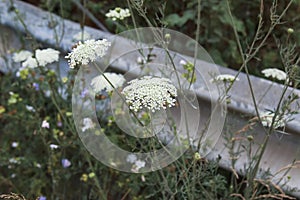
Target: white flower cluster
pixel 42 57
pixel 149 92
pixel 87 52
pixel 99 83
pixel 224 78
pixel 266 120
pixel 274 73
pixel 137 164
pixel 118 13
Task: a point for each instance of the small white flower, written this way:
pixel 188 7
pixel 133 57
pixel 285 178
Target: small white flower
pixel 140 60
pixel 131 158
pixel 182 62
pixel 53 146
pixel 149 92
pixel 139 164
pixel 15 160
pixel 30 108
pixel 30 62
pixel 14 144
pixel 267 118
pixel 224 78
pixel 274 73
pixel 81 36
pixel 87 52
pixel 45 124
pixel 118 13
pixel 46 56
pixel 38 165
pixel 99 83
pixel 87 124
pixel 21 56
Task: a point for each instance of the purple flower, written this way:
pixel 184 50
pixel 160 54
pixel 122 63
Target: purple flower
pixel 36 86
pixel 59 124
pixel 42 198
pixel 65 163
pixel 84 93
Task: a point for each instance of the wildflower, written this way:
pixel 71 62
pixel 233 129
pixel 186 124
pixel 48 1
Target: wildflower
pixel 138 164
pixel 38 165
pixel 22 72
pixel 81 36
pixel 274 73
pixel 14 144
pixel 21 56
pixel 53 146
pixel 46 56
pixel 99 83
pixel 149 92
pixel 45 124
pixel 92 175
pixel 267 118
pixel 84 177
pixel 131 158
pixel 30 108
pixel 64 79
pixel 16 160
pixel 87 124
pixel 182 62
pixel 87 52
pixel 13 175
pixel 36 86
pixel 224 78
pixel 42 198
pixel 118 13
pixel 84 92
pixel 290 30
pixel 197 156
pixel 30 62
pixel 140 60
pixel 65 163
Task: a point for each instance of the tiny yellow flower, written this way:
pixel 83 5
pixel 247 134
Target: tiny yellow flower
pixel 197 156
pixel 84 177
pixel 64 79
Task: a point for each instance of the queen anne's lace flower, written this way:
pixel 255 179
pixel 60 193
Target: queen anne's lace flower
pixel 46 56
pixel 274 73
pixel 21 56
pixel 266 120
pixel 224 78
pixel 87 52
pixel 99 83
pixel 118 13
pixel 30 62
pixel 149 92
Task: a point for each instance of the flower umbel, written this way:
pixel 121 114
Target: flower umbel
pixel 267 118
pixel 118 13
pixel 87 124
pixel 87 52
pixel 274 73
pixel 149 92
pixel 99 83
pixel 224 78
